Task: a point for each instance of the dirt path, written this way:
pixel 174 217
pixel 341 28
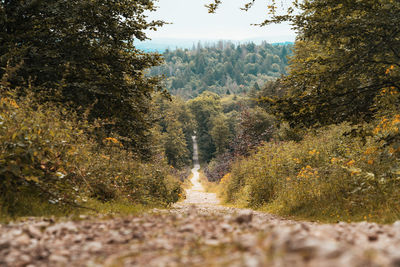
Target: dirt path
pixel 198 232
pixel 196 194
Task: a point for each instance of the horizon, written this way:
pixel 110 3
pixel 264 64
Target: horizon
pixel 160 45
pixel 191 21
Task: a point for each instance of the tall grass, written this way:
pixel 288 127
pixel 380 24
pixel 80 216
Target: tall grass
pixel 329 175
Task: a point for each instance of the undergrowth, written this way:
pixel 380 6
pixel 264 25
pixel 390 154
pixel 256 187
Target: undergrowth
pixel 329 176
pixel 49 165
pixel 209 187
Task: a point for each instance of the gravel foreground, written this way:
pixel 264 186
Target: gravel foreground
pixel 198 235
pixel 198 232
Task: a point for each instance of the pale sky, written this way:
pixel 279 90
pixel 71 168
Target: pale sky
pixel 192 21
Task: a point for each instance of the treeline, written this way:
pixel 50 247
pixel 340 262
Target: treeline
pixel 333 152
pixel 223 68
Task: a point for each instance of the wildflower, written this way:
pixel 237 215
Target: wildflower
pixel 105 157
pixel 350 163
pixel 297 160
pixel 308 172
pixel 112 140
pixel 60 175
pixel 371 161
pixel 225 178
pixel 396 120
pixel 389 69
pixel 313 152
pixel 369 150
pixel 10 102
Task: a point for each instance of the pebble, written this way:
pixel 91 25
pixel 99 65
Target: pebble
pixel 93 246
pixel 22 240
pixel 58 259
pixel 244 217
pixel 34 232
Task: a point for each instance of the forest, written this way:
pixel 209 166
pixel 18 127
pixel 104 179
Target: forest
pixel 333 152
pixel 222 68
pixel 90 124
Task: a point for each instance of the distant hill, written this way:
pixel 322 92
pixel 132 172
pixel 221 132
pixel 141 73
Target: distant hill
pixel 223 68
pixel 160 45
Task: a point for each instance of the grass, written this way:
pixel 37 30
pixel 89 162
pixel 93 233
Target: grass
pixel 331 215
pixel 209 187
pixel 34 207
pixel 329 176
pixel 187 183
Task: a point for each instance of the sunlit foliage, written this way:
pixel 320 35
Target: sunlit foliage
pixel 49 161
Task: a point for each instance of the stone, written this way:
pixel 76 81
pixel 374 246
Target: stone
pixel 244 217
pixel 22 240
pixel 58 259
pixel 34 232
pixel 93 246
pixel 226 227
pixel 187 228
pixel 373 237
pixel 4 244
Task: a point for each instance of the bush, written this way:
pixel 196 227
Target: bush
pixel 218 167
pixel 329 174
pixel 48 158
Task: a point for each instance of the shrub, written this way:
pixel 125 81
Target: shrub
pixel 48 158
pixel 218 167
pixel 328 174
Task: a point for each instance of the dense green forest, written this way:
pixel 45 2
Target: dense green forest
pixel 222 68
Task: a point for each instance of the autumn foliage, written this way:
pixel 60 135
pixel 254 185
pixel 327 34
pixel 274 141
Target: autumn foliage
pixel 329 175
pixel 50 165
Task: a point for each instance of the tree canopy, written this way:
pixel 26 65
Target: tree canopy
pixel 223 68
pixel 81 54
pixel 346 54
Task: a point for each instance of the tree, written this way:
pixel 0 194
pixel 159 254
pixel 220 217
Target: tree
pixel 205 108
pixel 175 144
pixel 215 70
pixel 80 53
pixel 176 125
pixel 220 134
pixel 255 126
pixel 347 52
